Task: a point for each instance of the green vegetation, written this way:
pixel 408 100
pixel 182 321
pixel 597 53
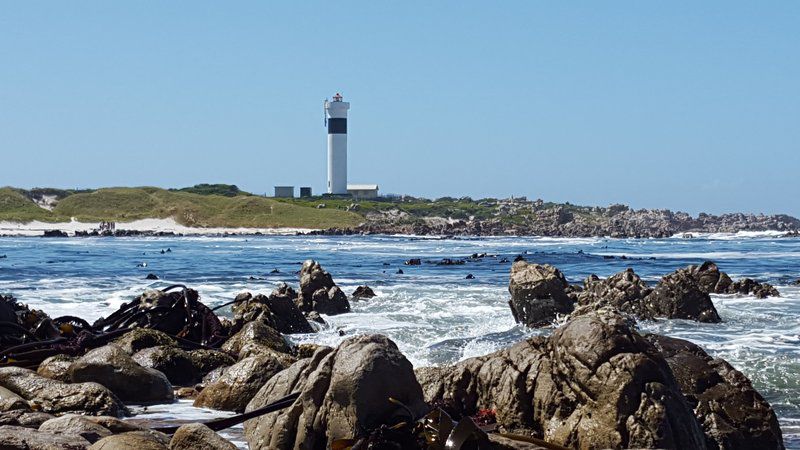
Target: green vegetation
pixel 187 208
pixel 461 208
pixel 227 190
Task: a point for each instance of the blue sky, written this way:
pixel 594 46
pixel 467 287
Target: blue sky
pixel 692 106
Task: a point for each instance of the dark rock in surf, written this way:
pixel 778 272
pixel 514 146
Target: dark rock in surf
pixel 678 296
pixel 54 233
pixel 278 311
pixel 319 293
pixel 363 292
pixel 151 276
pixel 538 294
pixel 413 262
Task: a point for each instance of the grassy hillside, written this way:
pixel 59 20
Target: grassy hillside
pixel 187 208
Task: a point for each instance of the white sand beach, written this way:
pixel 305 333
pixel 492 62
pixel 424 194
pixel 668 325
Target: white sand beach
pixel 37 228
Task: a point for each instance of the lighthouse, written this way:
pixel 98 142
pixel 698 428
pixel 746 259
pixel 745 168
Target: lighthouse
pixel 336 119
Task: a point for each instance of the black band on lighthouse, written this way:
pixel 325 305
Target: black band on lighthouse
pixel 337 126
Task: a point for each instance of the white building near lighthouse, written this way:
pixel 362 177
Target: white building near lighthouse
pixel 336 119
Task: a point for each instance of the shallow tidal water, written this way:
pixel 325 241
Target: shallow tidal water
pixel 433 313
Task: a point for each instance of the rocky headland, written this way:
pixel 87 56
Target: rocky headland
pixel 594 381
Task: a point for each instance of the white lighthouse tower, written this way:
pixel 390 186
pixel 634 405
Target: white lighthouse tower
pixel 336 119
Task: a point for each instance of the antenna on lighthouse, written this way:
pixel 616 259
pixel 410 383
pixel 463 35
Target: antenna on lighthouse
pixel 325 111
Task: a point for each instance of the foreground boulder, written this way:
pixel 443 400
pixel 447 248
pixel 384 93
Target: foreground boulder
pixel 595 383
pixel 112 367
pixel 54 396
pixel 319 293
pixel 196 436
pixel 733 415
pixel 12 437
pixel 72 424
pixel 56 367
pixel 237 384
pixel 343 391
pixel 538 294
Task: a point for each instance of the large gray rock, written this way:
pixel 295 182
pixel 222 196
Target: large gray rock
pixel 319 293
pixel 733 415
pixel 239 383
pixel 72 424
pixel 12 438
pixel 624 291
pixel 175 363
pixel 256 338
pixel 342 391
pixel 56 367
pixel 538 294
pixel 133 440
pixel 54 396
pixel 595 383
pixel 24 418
pixel 112 367
pixel 196 436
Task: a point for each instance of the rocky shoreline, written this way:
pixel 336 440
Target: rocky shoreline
pixel 519 217
pixel 595 382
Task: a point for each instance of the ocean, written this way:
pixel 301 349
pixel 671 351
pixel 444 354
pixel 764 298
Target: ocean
pixel 433 312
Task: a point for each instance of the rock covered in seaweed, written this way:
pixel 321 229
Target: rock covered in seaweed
pixel 538 293
pixel 342 391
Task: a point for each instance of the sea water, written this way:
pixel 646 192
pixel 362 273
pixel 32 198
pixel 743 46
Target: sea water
pixel 433 312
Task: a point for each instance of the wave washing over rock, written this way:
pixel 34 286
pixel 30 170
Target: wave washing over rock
pixel 602 356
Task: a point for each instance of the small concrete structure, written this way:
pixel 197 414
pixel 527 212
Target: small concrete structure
pixel 305 192
pixel 284 191
pixel 363 191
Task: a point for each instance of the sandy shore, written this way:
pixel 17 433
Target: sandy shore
pixel 37 228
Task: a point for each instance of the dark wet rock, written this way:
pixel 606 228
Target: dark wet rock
pixel 363 292
pixel 142 338
pixel 714 281
pixel 112 367
pixel 53 396
pixel 470 276
pixel 400 272
pixel 138 440
pixel 254 338
pixel 196 436
pixel 12 438
pixel 315 317
pixel 278 311
pixel 76 425
pixel 205 361
pixel 175 363
pixel 151 276
pixel 239 383
pixel 537 294
pixel 56 367
pixel 733 415
pixel 595 383
pixel 450 262
pixel 624 291
pixel 54 233
pixel 318 292
pixel 678 296
pixel 342 391
pixel 413 262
